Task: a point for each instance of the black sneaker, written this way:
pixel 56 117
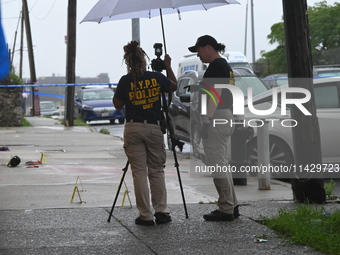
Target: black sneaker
pixel 236 212
pixel 162 218
pixel 218 216
pixel 138 221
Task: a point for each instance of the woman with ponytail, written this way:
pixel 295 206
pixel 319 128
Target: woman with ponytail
pixel 140 92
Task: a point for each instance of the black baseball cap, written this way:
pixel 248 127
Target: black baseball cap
pixel 204 41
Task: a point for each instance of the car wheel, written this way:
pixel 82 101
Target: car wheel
pixel 121 121
pixel 195 140
pixel 112 121
pixel 280 154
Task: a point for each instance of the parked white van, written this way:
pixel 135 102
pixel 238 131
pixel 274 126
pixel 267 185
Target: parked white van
pixel 237 59
pixel 192 62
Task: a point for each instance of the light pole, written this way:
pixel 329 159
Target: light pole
pixel 253 32
pixel 135 30
pixel 246 31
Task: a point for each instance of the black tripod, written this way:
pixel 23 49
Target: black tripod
pixel 119 187
pixel 173 144
pixel 171 136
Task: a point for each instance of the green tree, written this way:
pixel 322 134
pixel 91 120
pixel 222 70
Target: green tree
pixel 12 78
pixel 324 22
pixel 324 27
pixel 274 61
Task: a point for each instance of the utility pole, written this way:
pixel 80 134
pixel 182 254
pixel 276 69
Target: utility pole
pixel 71 61
pixel 135 30
pixel 14 43
pixel 306 186
pixel 21 45
pixel 35 103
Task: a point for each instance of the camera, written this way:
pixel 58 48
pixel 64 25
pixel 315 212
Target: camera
pixel 158 64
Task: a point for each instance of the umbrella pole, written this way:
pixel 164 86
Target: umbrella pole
pixel 160 12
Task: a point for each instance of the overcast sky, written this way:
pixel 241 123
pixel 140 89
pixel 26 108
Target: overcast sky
pixel 99 46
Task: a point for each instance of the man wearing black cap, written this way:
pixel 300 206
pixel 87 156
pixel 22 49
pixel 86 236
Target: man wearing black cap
pixel 215 138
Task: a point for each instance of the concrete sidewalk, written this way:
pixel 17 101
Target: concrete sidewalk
pixel 37 216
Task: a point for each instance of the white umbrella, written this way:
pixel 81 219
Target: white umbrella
pixel 108 10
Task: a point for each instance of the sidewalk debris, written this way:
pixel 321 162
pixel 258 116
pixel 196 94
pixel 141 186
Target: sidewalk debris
pixel 32 162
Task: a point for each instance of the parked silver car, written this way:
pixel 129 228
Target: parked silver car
pixel 327 100
pixel 48 108
pixel 326 71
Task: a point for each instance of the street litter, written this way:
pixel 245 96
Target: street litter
pixel 32 162
pixel 32 166
pixel 259 240
pixel 37 162
pixel 4 148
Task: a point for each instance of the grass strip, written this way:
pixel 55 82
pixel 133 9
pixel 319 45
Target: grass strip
pixel 310 225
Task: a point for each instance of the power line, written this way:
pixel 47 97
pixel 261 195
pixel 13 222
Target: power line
pixel 48 12
pixel 15 37
pixel 33 6
pixel 9 1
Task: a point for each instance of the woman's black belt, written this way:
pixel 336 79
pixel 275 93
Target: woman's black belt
pixel 156 122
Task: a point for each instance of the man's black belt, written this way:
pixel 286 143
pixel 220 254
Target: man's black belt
pixel 156 122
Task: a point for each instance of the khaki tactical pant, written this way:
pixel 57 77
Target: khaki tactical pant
pixel 215 150
pixel 145 149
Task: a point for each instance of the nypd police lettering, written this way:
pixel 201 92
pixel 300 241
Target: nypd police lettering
pixel 144 93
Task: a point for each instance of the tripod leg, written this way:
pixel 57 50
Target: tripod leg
pixel 180 183
pixel 171 135
pixel 119 187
